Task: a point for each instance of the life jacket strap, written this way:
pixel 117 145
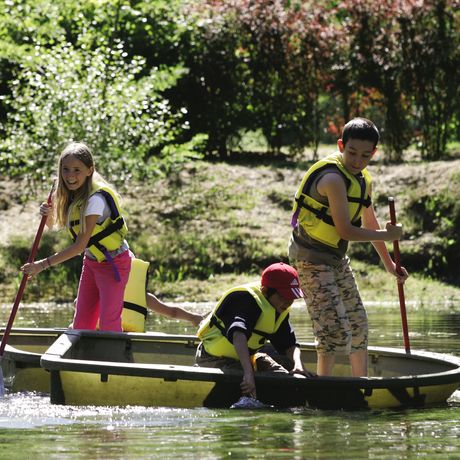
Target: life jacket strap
pixel 110 260
pixel 136 308
pixel 366 202
pixel 320 213
pixel 111 228
pixel 265 336
pixel 295 217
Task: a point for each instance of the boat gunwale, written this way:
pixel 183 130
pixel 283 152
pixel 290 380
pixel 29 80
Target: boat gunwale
pixel 52 360
pixel 13 353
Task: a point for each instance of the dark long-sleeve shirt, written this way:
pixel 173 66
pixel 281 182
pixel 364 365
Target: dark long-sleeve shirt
pixel 239 312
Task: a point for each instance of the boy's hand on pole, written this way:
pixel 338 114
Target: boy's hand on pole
pixel 394 231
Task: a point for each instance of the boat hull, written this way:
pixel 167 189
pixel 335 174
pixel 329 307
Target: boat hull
pixel 90 368
pixel 21 358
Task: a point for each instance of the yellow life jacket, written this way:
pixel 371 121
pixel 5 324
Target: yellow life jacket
pixel 315 217
pixel 211 329
pixel 134 311
pixel 106 236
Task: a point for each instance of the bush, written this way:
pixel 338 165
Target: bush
pixel 435 219
pixel 97 97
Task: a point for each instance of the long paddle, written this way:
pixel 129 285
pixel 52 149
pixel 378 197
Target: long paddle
pixel 22 286
pixel 397 256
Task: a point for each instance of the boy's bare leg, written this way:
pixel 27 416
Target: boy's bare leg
pixel 358 361
pixel 325 364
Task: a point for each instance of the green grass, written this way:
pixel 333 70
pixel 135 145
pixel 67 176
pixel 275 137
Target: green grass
pixel 215 225
pixel 375 285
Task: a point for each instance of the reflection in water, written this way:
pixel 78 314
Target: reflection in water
pixel 28 422
pixel 30 425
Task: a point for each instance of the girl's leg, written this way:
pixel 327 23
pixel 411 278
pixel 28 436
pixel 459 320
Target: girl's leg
pixel 87 303
pixel 112 291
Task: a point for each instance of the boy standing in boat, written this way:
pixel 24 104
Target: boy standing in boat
pixel 237 328
pixel 332 207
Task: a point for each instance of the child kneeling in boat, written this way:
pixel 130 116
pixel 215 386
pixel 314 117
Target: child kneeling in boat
pixel 234 333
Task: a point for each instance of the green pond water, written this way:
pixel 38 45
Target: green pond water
pixel 32 428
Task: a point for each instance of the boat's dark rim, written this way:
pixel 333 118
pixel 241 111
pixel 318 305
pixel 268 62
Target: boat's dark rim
pixel 52 360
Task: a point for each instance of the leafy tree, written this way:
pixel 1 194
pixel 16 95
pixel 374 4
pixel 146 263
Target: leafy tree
pixel 431 46
pixel 369 69
pixel 255 65
pixel 89 88
pixel 285 59
pixel 214 89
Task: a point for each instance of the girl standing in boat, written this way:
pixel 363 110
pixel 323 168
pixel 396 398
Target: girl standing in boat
pixel 90 210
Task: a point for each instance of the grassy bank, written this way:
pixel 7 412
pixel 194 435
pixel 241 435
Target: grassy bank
pixel 215 224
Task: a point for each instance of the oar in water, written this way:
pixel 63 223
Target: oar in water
pixel 22 286
pixel 397 256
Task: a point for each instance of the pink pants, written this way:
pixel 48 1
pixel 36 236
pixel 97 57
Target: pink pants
pixel 100 295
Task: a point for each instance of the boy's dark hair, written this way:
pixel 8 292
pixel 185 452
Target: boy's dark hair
pixel 360 128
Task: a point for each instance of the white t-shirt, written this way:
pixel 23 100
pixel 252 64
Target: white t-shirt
pixel 97 206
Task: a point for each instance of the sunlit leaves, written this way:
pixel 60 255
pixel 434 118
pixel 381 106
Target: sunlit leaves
pixel 95 96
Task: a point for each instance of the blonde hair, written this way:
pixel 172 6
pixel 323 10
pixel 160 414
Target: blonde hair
pixel 66 200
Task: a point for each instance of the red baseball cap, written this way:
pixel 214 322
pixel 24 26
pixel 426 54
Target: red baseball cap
pixel 284 279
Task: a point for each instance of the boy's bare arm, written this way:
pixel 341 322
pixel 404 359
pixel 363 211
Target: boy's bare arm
pixel 333 186
pixel 370 221
pixel 248 385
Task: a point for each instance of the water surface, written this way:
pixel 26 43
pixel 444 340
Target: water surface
pixel 30 427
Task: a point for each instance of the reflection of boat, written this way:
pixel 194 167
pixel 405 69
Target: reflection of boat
pixel 156 369
pixel 21 358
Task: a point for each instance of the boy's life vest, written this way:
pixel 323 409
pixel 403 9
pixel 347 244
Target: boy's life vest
pixel 134 313
pixel 211 330
pixel 315 217
pixel 106 236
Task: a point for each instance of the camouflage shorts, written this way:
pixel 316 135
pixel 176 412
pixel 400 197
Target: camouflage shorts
pixel 335 307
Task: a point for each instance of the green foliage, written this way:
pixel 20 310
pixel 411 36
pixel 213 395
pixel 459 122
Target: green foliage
pixel 79 77
pixel 439 216
pixel 299 83
pixel 295 71
pixel 430 40
pixel 256 68
pixel 94 96
pixel 214 89
pixel 60 282
pixel 369 50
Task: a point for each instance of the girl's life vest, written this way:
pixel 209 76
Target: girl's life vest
pixel 315 217
pixel 211 331
pixel 134 311
pixel 106 236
